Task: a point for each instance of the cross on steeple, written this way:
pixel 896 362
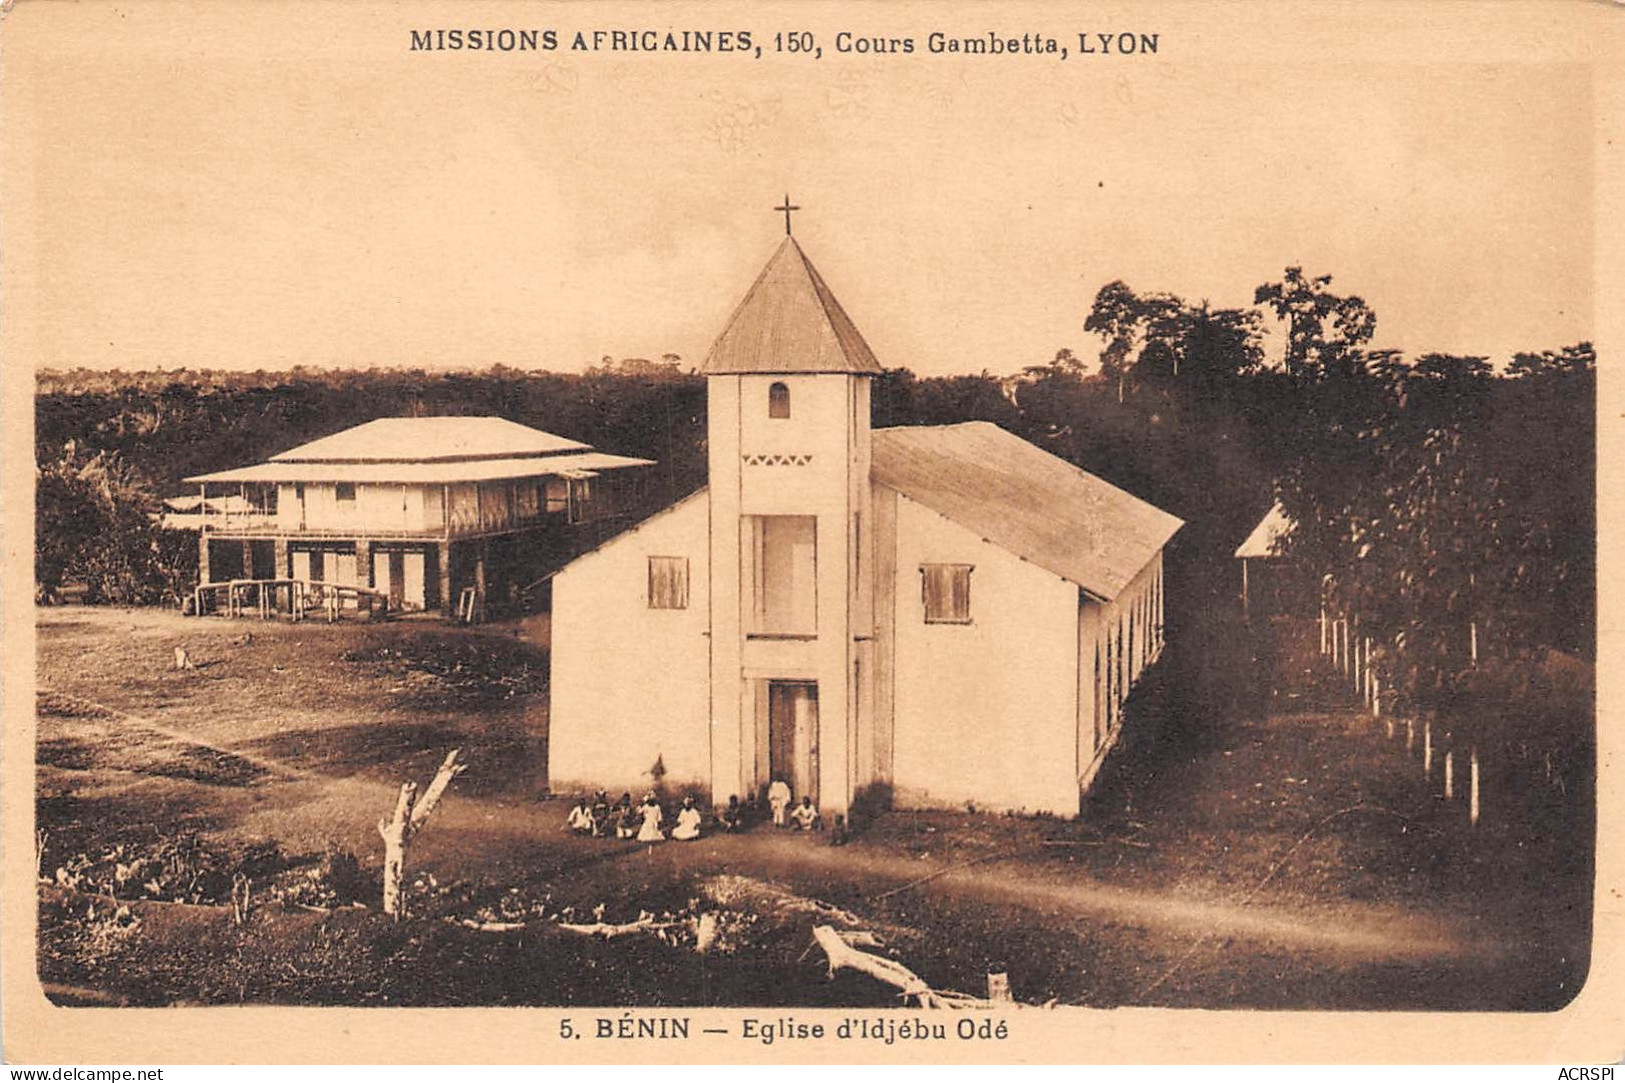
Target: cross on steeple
pixel 786 207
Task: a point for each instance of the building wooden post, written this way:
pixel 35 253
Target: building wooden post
pixel 363 562
pixel 447 602
pixel 1244 587
pixel 1322 629
pixel 203 556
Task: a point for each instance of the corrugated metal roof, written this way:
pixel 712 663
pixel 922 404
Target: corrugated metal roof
pixel 579 464
pixel 1025 500
pixel 430 439
pixel 789 321
pixel 1262 542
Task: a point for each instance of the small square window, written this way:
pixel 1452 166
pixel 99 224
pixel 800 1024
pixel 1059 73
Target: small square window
pixel 945 590
pixel 668 582
pixel 344 492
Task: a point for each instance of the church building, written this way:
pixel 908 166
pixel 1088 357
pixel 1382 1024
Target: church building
pixel 944 615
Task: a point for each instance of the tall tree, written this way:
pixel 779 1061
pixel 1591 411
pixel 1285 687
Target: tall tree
pixel 1323 327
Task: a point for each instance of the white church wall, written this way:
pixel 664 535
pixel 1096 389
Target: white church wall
pixel 629 683
pixel 984 712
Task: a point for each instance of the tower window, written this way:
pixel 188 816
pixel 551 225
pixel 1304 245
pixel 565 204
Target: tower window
pixel 778 400
pixel 781 572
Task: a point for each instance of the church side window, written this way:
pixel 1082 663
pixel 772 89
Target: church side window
pixel 778 400
pixel 945 589
pixel 668 582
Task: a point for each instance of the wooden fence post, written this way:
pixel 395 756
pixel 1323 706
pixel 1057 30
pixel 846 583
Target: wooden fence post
pixel 1427 748
pixel 1323 629
pixel 1354 647
pixel 1449 774
pixel 1472 787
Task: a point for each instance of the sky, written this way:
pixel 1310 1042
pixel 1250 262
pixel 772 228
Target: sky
pixel 259 186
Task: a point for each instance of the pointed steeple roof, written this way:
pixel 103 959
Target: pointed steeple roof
pixel 790 322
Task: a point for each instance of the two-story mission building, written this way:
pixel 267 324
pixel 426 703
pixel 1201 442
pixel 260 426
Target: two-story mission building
pixel 946 611
pixel 418 508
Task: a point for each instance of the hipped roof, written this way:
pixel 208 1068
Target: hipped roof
pixel 1025 500
pixel 789 322
pixel 430 439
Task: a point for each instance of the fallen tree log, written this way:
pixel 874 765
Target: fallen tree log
pixel 843 956
pixel 487 926
pixel 609 932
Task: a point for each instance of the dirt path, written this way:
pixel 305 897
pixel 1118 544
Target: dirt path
pixel 473 825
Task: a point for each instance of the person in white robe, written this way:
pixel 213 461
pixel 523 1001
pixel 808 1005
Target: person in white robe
pixel 778 799
pixel 688 822
pixel 580 820
pixel 652 819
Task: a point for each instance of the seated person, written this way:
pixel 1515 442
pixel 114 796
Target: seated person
pixel 627 821
pixel 751 812
pixel 652 816
pixel 600 814
pixel 580 820
pixel 688 822
pixel 838 834
pixel 731 818
pixel 806 817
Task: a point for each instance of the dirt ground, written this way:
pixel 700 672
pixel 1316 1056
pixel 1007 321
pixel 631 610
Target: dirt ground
pixel 1240 851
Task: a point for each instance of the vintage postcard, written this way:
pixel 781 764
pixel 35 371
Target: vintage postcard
pixel 811 532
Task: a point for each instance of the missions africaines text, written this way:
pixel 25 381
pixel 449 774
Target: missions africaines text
pixel 740 41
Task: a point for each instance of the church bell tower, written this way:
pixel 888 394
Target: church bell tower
pixel 791 551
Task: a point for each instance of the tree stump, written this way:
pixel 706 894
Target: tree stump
pixel 397 831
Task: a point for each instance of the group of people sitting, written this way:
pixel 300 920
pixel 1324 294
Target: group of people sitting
pixel 645 822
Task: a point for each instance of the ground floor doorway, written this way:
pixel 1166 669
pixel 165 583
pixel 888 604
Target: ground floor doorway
pixel 402 576
pixel 792 736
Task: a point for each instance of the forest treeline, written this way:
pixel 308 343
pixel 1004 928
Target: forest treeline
pixel 1429 491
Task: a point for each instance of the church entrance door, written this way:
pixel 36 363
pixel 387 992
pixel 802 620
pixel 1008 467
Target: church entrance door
pixel 792 726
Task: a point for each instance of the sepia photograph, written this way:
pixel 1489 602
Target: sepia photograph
pixel 804 523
